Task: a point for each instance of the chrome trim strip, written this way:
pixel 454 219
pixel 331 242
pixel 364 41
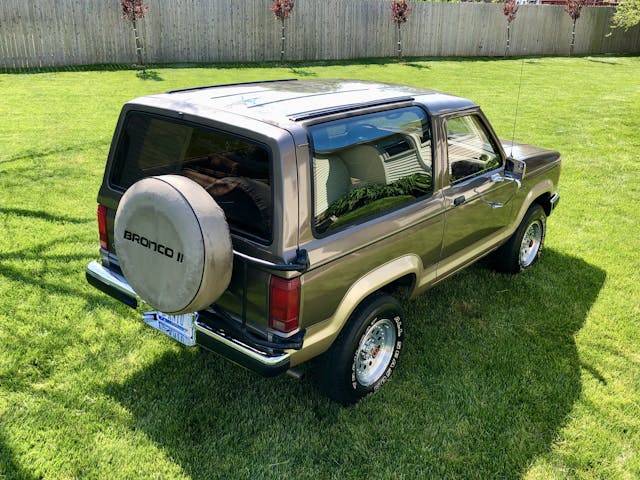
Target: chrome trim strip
pixel 286 267
pixel 553 201
pixel 265 263
pixel 108 277
pixel 254 259
pixel 346 108
pixel 275 361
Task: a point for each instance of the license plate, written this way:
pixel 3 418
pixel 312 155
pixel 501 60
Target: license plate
pixel 178 327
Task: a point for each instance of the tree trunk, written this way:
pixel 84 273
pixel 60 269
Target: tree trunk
pixel 399 42
pixel 283 38
pixel 573 37
pixel 506 51
pixel 138 43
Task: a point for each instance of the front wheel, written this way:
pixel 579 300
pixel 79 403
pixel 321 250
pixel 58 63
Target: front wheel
pixel 525 246
pixel 366 352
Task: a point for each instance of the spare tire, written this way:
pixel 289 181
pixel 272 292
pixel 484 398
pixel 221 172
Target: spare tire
pixel 173 244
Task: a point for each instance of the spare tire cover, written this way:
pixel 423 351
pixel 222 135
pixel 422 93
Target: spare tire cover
pixel 173 244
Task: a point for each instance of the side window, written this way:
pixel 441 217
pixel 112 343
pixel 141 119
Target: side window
pixel 364 166
pixel 471 151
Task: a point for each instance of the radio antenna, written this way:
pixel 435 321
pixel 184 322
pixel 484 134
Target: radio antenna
pixel 515 118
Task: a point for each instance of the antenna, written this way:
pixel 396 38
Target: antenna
pixel 515 118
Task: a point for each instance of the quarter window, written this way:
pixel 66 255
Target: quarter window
pixel 471 150
pixel 367 165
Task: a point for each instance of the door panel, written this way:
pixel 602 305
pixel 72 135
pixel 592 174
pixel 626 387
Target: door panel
pixel 471 226
pixel 476 208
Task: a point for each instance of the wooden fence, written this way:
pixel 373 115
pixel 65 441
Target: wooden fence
pixel 75 32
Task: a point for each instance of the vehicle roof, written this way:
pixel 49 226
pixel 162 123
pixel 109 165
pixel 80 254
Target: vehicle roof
pixel 285 101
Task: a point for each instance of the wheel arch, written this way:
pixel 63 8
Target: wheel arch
pixel 397 275
pixel 544 201
pixel 541 194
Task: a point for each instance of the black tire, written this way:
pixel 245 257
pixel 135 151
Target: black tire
pixel 524 247
pixel 371 339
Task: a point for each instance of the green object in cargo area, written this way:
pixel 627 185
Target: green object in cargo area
pixel 414 185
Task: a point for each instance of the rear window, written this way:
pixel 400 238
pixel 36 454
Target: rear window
pixel 235 171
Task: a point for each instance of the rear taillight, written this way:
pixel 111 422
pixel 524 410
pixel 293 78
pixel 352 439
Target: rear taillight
pixel 102 227
pixel 284 304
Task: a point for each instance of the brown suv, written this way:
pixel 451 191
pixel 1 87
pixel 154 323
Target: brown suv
pixel 272 222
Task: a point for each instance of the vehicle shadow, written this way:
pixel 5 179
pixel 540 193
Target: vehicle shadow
pixel 489 374
pixel 9 468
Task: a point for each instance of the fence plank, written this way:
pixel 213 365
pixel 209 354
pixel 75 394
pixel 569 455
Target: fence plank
pixel 68 32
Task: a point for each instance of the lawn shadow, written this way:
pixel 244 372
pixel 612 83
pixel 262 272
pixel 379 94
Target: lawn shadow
pixel 57 268
pixel 486 382
pixel 149 75
pixel 9 467
pixel 419 66
pixel 42 215
pixel 603 60
pixel 303 73
pixel 33 155
pixel 380 61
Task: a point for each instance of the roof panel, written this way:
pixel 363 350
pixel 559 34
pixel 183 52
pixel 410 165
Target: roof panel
pixel 278 101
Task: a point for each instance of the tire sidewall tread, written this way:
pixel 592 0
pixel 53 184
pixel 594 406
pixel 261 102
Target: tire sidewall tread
pixel 337 365
pixel 507 257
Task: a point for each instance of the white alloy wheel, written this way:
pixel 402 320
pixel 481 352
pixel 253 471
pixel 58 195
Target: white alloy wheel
pixel 375 352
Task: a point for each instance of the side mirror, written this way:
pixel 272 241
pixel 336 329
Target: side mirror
pixel 515 170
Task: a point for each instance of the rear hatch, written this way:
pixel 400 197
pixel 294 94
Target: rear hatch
pixel 236 170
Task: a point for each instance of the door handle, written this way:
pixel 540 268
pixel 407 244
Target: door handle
pixel 458 200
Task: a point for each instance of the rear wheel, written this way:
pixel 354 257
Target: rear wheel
pixel 364 355
pixel 525 246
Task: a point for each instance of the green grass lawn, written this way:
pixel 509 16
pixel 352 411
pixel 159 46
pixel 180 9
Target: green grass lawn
pixel 532 376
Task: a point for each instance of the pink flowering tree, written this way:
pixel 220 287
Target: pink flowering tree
pixel 509 8
pixel 399 14
pixel 133 11
pixel 574 8
pixel 282 10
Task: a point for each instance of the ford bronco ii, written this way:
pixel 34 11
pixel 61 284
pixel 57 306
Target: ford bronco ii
pixel 272 222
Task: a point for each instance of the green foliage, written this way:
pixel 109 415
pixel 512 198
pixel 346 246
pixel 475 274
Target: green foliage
pixel 414 185
pixel 375 206
pixel 627 14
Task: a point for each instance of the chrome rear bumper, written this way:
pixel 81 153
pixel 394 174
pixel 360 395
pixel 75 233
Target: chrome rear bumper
pixel 111 283
pixel 208 334
pixel 221 342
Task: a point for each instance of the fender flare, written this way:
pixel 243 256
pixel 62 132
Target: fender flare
pixel 320 336
pixel 541 188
